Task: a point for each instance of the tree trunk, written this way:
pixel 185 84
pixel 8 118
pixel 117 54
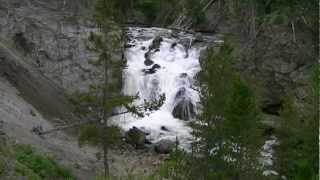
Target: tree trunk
pixel 293 32
pixel 105 115
pixel 253 21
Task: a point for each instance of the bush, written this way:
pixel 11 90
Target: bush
pixel 43 167
pixel 2 167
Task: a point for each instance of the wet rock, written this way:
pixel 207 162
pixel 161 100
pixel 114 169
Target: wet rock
pixel 163 128
pixel 156 66
pixel 164 146
pixel 129 46
pixel 136 137
pixel 173 45
pixel 184 108
pixel 152 70
pixel 149 71
pixel 148 62
pixel 181 93
pixel 156 43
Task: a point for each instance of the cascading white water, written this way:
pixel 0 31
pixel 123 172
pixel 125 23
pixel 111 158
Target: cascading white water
pixel 171 71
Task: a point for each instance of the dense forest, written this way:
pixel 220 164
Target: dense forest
pixel 235 86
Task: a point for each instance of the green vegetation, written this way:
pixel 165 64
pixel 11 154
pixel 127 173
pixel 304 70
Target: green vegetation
pixel 228 133
pixel 23 161
pixel 44 167
pixel 298 150
pixel 228 127
pixel 2 166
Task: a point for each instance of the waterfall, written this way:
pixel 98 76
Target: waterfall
pixel 162 61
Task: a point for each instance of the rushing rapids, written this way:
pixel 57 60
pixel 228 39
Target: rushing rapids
pixel 162 61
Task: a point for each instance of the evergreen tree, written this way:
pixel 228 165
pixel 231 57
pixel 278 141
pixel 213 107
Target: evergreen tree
pixel 227 130
pixel 298 151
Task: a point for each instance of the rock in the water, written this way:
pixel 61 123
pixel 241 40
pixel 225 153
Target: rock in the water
pixel 149 71
pixel 129 46
pixel 136 137
pixel 148 62
pixel 156 66
pixel 184 108
pixel 164 146
pixel 163 128
pixel 156 43
pixel 173 45
pixel 152 70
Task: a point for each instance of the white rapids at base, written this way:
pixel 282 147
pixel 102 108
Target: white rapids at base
pixel 174 62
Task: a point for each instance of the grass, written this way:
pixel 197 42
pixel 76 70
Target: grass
pixel 44 167
pixel 22 161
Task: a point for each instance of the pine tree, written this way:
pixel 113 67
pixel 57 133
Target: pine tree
pixel 227 130
pixel 297 154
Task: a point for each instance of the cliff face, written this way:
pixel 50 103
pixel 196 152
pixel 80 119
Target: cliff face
pixel 273 59
pixel 54 36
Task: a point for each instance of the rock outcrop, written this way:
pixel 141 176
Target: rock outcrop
pixel 54 37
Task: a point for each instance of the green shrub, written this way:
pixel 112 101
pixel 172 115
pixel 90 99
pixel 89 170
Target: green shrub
pixel 2 167
pixel 43 167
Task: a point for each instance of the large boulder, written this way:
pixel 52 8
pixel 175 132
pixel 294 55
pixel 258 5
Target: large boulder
pixel 164 146
pixel 156 43
pixel 136 137
pixel 184 108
